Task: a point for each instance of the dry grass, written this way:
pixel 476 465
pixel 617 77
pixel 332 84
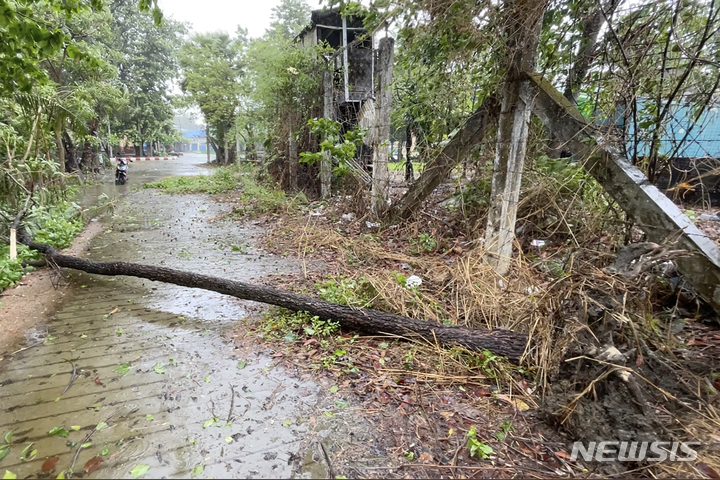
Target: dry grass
pixel 458 288
pixel 562 296
pixel 550 296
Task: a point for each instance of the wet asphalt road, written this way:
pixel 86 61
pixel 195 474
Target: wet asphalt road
pixel 150 359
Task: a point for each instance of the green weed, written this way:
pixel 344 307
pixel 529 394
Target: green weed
pixel 280 323
pixel 11 271
pixel 255 197
pixel 55 225
pixel 476 446
pixel 424 242
pixel 490 363
pixel 505 428
pixel 345 291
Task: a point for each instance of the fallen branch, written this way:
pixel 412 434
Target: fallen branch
pixel 498 341
pixel 73 376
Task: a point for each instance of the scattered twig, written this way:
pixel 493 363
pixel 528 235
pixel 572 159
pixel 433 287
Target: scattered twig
pixel 91 433
pixel 232 404
pixel 331 474
pixel 73 376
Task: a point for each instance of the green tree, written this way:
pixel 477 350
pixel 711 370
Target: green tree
pixel 284 82
pixel 147 63
pixel 289 18
pixel 84 87
pixel 212 68
pixel 28 36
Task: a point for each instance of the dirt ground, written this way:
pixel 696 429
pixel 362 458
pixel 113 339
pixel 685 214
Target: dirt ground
pixel 35 297
pixel 427 411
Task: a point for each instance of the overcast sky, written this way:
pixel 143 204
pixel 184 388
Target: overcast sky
pixel 213 15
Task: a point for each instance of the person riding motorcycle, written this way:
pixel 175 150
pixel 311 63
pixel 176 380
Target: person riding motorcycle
pixel 121 171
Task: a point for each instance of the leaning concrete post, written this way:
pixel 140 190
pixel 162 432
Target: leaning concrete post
pixel 328 112
pixel 524 22
pixel 380 175
pixel 651 210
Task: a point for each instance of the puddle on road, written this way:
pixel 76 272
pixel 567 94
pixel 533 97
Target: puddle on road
pixel 150 361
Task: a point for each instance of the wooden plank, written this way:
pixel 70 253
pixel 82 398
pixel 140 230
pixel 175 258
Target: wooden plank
pixel 650 209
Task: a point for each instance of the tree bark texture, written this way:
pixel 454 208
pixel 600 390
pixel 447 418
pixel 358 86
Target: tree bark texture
pixel 437 169
pixel 59 124
pixel 87 153
pixel 524 22
pixel 498 341
pixel 380 174
pixel 71 163
pixel 591 26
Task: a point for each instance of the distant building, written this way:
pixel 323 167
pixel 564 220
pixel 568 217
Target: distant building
pixel 683 136
pixel 195 141
pixel 690 143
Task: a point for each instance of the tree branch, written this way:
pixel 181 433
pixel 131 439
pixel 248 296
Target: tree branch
pixel 498 341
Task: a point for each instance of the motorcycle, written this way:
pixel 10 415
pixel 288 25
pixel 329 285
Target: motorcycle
pixel 121 171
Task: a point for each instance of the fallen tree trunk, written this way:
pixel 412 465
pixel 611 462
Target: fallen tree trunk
pixel 500 342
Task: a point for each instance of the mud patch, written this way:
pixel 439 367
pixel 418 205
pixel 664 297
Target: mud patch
pixel 634 394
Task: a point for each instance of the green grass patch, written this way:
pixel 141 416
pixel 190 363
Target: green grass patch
pixel 400 166
pixel 222 180
pixel 255 197
pixel 258 198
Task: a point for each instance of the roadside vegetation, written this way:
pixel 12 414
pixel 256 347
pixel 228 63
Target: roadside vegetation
pixel 222 180
pixel 249 194
pixel 569 286
pixel 79 77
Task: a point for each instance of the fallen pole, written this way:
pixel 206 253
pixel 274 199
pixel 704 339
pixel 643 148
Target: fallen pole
pixel 652 211
pixel 498 341
pixel 439 167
